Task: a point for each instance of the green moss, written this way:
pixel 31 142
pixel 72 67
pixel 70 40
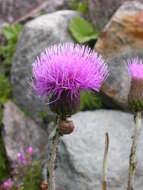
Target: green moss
pixel 90 101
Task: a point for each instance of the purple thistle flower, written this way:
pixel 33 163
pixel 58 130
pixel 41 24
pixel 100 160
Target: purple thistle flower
pixel 63 70
pixel 70 68
pixel 135 67
pixel 7 184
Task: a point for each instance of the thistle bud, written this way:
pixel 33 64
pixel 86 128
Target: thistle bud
pixel 66 127
pixel 66 105
pixel 135 97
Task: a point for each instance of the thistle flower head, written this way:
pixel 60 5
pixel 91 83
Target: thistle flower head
pixel 135 98
pixel 66 69
pixel 135 67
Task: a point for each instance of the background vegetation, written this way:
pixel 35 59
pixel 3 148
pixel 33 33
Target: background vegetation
pixel 10 35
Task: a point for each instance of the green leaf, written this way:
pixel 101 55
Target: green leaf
pixel 82 30
pixel 11 31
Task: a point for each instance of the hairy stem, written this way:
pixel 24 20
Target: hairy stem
pixel 104 182
pixel 132 159
pixel 51 185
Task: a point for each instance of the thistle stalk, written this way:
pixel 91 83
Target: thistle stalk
pixel 64 127
pixel 104 181
pixel 56 138
pixel 132 159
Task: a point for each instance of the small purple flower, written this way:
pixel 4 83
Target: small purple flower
pixel 68 68
pixel 29 150
pixel 135 67
pixel 7 184
pixel 21 158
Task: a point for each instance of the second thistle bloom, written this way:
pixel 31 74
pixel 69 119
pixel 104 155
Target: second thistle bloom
pixel 135 67
pixel 63 70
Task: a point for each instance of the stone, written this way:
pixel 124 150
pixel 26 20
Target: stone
pixel 101 11
pixel 18 10
pixel 38 34
pixel 121 39
pixel 19 132
pixel 80 155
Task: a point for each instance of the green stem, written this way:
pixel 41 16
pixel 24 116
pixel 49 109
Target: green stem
pixel 51 185
pixel 104 182
pixel 132 159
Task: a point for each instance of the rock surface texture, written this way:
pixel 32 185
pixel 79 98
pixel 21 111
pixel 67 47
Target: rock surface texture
pixel 102 10
pixel 36 36
pixel 19 132
pixel 16 10
pixel 121 39
pixel 80 157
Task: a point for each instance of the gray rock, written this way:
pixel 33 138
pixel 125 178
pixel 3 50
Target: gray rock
pixel 54 5
pixel 18 10
pixel 36 36
pixel 121 39
pixel 20 131
pixel 80 157
pixel 102 10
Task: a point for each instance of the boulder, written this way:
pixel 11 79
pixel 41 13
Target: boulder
pixel 18 10
pixel 80 155
pixel 19 132
pixel 121 39
pixel 101 11
pixel 38 34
